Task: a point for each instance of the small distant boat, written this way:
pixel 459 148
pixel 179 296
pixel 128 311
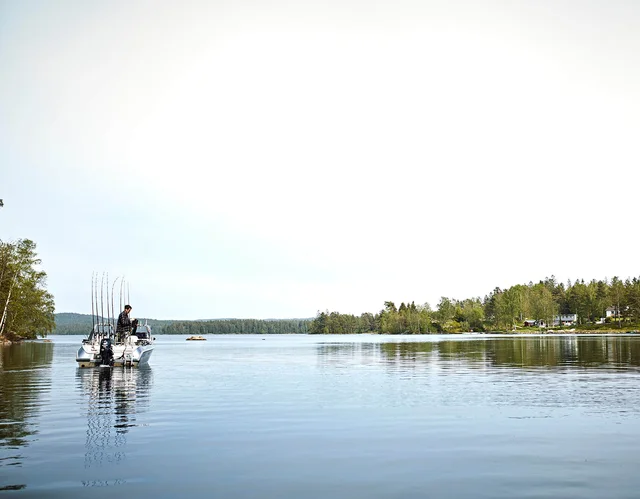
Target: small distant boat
pixel 196 338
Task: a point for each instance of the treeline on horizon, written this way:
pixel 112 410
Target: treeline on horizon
pixel 70 323
pixel 238 326
pixel 500 310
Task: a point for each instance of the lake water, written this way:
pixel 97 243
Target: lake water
pixel 468 416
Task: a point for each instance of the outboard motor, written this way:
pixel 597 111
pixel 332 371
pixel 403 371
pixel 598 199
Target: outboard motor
pixel 106 352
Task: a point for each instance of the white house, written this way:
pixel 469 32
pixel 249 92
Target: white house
pixel 565 319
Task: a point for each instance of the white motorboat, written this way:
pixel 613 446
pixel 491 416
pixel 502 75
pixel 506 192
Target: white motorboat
pixel 105 348
pixel 130 345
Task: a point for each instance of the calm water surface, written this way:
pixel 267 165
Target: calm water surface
pixel 474 416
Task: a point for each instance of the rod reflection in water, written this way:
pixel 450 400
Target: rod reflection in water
pixel 114 397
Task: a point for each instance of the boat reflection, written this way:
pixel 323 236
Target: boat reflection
pixel 115 398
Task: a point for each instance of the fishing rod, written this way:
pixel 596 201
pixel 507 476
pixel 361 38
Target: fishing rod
pixel 93 322
pixel 108 313
pixel 96 298
pixel 113 313
pixel 121 291
pixel 102 299
pixel 94 301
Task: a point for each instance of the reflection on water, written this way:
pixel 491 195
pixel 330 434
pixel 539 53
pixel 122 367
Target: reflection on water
pixel 289 416
pixel 346 354
pixel 22 383
pixel 615 352
pixel 114 397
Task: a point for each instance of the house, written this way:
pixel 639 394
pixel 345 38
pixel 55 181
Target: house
pixel 534 323
pixel 612 312
pixel 565 319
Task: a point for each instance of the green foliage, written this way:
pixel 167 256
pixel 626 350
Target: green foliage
pixel 501 310
pixel 26 308
pixel 67 323
pixel 238 326
pixel 453 326
pixel 633 298
pixel 335 323
pixel 543 306
pixel 406 319
pixel 446 310
pixel 472 314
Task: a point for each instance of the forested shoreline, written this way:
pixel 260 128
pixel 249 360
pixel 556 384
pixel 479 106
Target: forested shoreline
pixel 71 323
pixel 26 307
pixel 502 310
pixel 239 326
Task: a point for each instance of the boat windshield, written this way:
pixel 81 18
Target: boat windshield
pixel 143 332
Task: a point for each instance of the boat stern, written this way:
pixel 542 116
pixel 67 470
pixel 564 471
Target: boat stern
pixel 85 357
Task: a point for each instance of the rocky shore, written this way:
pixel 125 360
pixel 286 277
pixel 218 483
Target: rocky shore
pixel 574 331
pixel 14 339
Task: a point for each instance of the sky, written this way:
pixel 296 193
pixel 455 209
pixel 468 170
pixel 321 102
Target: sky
pixel 274 159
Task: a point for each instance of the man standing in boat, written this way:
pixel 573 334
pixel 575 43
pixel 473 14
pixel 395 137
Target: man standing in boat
pixel 124 323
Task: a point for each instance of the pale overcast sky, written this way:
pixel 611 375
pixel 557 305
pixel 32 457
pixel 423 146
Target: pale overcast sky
pixel 271 159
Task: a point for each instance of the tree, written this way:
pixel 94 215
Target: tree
pixel 446 310
pixel 319 324
pixel 617 296
pixel 602 298
pixel 507 310
pixel 473 314
pixel 27 309
pixel 543 306
pixel 558 293
pixel 411 319
pixel 367 323
pixel 390 321
pixel 633 298
pixel 490 304
pixel 581 300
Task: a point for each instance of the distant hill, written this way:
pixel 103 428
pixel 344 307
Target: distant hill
pixel 71 323
pixel 67 323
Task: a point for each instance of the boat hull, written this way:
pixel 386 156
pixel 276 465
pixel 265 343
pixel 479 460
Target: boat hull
pixel 88 355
